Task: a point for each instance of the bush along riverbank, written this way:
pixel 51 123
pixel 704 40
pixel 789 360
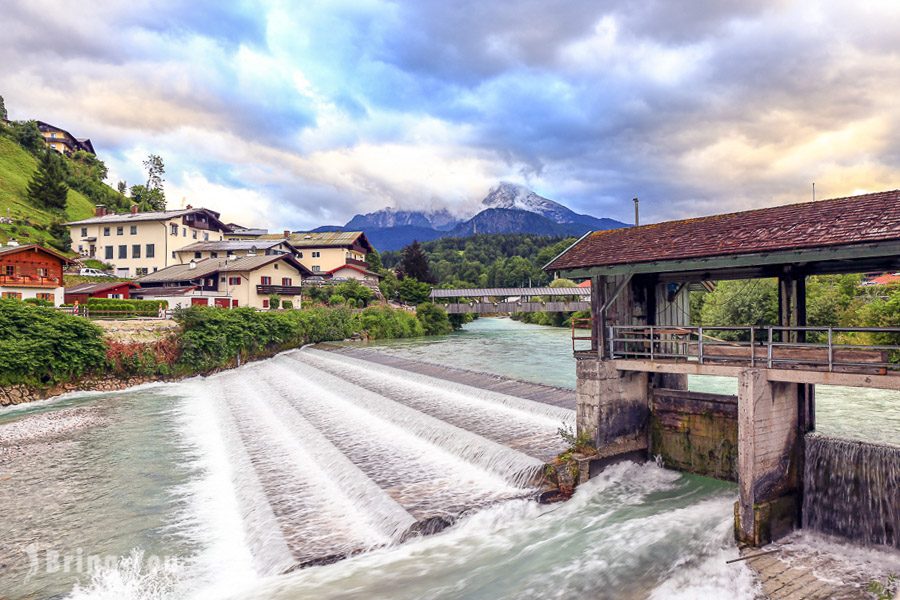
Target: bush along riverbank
pixel 45 352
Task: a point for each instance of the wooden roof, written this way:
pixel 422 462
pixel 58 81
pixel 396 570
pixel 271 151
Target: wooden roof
pixel 7 250
pixel 810 225
pixel 324 239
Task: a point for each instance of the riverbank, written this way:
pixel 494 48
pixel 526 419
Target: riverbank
pixel 45 352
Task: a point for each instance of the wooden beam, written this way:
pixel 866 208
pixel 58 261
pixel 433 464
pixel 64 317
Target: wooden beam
pixel 598 312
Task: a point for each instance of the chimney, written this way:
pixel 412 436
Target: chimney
pixel 100 211
pixel 188 207
pixel 287 233
pixel 134 209
pixel 636 213
pixel 192 264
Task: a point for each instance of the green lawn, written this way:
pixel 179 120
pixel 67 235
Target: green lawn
pixel 30 223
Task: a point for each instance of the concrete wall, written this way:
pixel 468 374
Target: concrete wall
pixel 769 458
pixel 695 432
pixel 612 407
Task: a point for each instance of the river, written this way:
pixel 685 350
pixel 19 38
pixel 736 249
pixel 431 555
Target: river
pixel 220 487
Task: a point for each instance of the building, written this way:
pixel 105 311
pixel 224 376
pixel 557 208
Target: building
pixel 227 282
pixel 114 289
pixel 227 248
pixel 32 271
pixel 62 141
pixel 239 232
pixel 138 243
pixel 884 279
pixel 331 253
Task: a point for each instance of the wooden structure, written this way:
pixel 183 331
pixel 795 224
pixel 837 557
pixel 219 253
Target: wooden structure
pixel 641 339
pixel 512 300
pixel 32 271
pixel 113 289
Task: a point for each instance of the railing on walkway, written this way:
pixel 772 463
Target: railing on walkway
pixel 834 349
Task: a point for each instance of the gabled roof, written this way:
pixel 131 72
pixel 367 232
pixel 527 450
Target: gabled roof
pixel 161 215
pixel 209 266
pixel 82 143
pixel 165 291
pixel 226 245
pixel 325 239
pixel 827 223
pixel 6 250
pixel 96 288
pixel 355 268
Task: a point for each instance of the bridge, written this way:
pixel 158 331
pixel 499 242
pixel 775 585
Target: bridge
pixel 635 353
pixel 512 300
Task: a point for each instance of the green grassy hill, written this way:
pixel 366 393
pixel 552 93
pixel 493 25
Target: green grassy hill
pixel 29 222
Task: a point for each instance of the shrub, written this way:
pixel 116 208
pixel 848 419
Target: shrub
pixel 41 345
pixel 336 300
pixel 133 358
pixel 383 322
pixel 287 304
pixel 434 319
pixel 117 307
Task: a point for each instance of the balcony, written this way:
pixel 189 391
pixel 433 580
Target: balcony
pixel 280 290
pixel 27 281
pixel 358 263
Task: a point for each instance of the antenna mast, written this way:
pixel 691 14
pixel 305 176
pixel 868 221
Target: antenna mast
pixel 637 220
pixel 814 191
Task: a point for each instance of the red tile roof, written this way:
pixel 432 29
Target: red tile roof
pixel 887 279
pixel 836 222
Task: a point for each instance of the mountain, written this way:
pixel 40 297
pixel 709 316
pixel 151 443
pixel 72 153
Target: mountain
pixel 516 220
pixel 508 208
pixel 516 197
pixel 440 220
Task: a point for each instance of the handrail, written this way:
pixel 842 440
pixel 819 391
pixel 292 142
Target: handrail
pixel 829 350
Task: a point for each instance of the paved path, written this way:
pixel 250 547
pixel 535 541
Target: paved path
pixel 495 383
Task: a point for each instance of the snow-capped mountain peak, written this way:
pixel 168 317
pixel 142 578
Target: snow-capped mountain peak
pixel 517 197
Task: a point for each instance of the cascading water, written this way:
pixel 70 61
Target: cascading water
pixel 852 489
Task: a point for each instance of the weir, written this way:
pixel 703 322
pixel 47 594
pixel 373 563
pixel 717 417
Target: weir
pixel 632 396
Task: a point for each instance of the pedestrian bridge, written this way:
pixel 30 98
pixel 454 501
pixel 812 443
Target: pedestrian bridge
pixel 512 300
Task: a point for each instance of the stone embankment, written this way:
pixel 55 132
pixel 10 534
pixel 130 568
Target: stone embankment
pixel 19 394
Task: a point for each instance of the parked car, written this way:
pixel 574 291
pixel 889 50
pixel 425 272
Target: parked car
pixel 88 272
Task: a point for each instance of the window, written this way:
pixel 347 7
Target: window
pixel 10 270
pixel 184 232
pixel 84 232
pixel 13 295
pixel 106 231
pixel 116 296
pixel 206 237
pixel 316 254
pixel 80 248
pixel 135 251
pixel 286 282
pixel 141 271
pixel 174 255
pixel 214 255
pixel 173 229
pixel 265 303
pixel 45 296
pixel 234 281
pixel 123 251
pixel 150 251
pixel 194 234
pixel 120 230
pixel 265 280
pixel 109 252
pixel 223 279
pixel 316 268
pixel 134 230
pixel 301 254
pixel 42 271
pixel 198 255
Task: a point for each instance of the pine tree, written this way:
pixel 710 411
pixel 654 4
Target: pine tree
pixel 414 263
pixel 47 187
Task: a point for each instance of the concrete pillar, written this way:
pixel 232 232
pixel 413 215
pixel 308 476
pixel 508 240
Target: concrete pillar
pixel 769 454
pixel 613 407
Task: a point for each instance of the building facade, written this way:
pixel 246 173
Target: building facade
pixel 62 141
pixel 229 248
pixel 332 253
pixel 32 271
pixel 138 243
pixel 227 282
pixel 120 290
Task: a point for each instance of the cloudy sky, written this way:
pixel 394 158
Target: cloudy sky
pixel 299 114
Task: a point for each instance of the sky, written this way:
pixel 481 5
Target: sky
pixel 299 114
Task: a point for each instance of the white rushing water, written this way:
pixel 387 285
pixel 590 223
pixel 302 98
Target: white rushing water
pixel 223 487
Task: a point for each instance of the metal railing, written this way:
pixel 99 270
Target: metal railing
pixel 842 349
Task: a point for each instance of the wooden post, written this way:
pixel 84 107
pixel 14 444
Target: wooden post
pixel 800 305
pixel 598 323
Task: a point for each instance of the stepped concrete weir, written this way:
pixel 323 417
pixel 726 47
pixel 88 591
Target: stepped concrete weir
pixel 632 396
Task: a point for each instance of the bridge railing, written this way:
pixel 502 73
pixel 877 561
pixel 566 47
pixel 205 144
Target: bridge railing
pixel 834 349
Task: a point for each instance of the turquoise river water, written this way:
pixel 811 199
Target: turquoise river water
pixel 222 487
